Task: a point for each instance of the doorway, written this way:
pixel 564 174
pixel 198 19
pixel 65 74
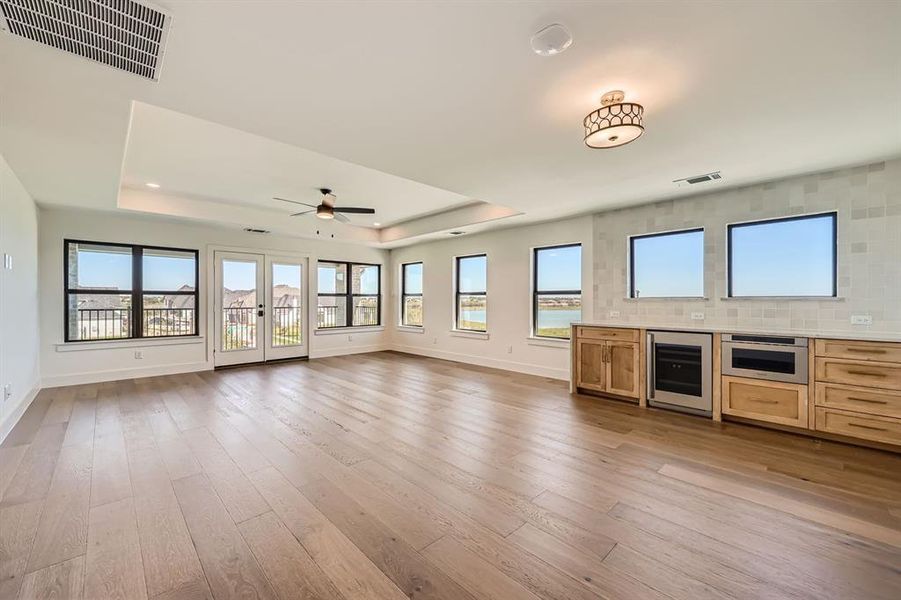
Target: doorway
pixel 260 308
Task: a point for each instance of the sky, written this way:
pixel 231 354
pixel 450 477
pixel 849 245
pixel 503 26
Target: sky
pixel 560 269
pixel 413 278
pixel 669 265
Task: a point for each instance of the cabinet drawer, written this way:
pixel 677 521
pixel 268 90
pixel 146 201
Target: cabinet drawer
pixel 771 401
pixel 868 427
pixel 859 372
pixel 608 333
pixel 858 399
pixel 879 351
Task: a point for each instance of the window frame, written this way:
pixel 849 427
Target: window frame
pixel 536 293
pixel 137 292
pixel 731 226
pixel 457 292
pixel 404 295
pixel 632 239
pixel 349 296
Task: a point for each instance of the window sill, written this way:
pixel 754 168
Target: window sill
pixel 669 298
pixel 348 330
pixel 547 342
pixel 410 329
pixel 474 335
pixel 128 343
pixel 784 298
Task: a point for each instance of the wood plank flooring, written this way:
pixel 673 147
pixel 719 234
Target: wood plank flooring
pixel 392 476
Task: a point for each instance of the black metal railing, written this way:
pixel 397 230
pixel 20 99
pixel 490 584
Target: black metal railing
pixel 168 321
pixel 366 315
pixel 103 323
pixel 286 325
pixel 239 328
pixel 327 316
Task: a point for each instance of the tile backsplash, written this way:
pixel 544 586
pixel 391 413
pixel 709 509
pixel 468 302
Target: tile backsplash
pixel 868 202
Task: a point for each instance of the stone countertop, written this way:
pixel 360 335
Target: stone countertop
pixel 863 334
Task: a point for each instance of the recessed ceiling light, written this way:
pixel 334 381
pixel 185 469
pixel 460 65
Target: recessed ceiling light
pixel 551 40
pixel 376 224
pixel 152 185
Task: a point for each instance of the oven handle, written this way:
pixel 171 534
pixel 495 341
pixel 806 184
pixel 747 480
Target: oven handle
pixel 651 363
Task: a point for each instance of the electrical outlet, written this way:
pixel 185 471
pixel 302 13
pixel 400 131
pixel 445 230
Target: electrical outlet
pixel 861 319
pixel 8 261
pixel 509 349
pixel 7 391
pixel 350 338
pixel 697 316
pixel 434 340
pixel 139 355
pixel 614 314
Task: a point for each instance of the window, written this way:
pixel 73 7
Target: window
pixel 556 290
pixel 120 291
pixel 472 293
pixel 794 256
pixel 353 305
pixel 667 265
pixel 411 294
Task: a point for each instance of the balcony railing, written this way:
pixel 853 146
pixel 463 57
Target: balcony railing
pixel 286 325
pixel 168 321
pixel 333 316
pixel 115 323
pixel 239 328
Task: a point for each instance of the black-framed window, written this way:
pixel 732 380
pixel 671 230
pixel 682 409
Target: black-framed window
pixel 556 290
pixel 123 291
pixel 667 265
pixel 785 257
pixel 411 294
pixel 471 292
pixel 349 294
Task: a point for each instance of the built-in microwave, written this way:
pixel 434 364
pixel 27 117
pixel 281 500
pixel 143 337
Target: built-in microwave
pixel 775 358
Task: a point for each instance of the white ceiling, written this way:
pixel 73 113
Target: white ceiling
pixel 449 95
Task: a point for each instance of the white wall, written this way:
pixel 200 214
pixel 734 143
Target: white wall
pixel 19 362
pixel 509 298
pixel 60 365
pixel 868 202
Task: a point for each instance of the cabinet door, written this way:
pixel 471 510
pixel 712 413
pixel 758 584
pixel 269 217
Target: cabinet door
pixel 622 369
pixel 590 372
pixel 771 401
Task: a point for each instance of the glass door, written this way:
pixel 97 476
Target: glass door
pixel 239 308
pixel 286 327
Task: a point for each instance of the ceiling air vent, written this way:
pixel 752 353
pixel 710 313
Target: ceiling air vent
pixel 456 232
pixel 715 175
pixel 122 34
pixel 255 230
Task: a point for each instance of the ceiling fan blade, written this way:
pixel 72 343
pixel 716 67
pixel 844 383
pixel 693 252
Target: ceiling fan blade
pixel 355 210
pixel 304 212
pixel 295 202
pixel 340 217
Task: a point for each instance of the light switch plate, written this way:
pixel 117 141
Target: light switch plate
pixel 861 319
pixel 614 314
pixel 8 261
pixel 697 316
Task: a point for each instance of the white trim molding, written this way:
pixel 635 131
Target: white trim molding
pixel 13 418
pixel 506 365
pixel 128 343
pixel 119 374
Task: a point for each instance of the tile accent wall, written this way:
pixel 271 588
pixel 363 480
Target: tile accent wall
pixel 868 202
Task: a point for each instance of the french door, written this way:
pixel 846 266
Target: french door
pixel 260 307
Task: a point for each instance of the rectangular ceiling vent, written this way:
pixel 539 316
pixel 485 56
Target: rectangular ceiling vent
pixel 696 179
pixel 122 34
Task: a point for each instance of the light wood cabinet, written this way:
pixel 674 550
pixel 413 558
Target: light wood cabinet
pixel 859 399
pixel 869 427
pixel 865 373
pixel 607 360
pixel 770 401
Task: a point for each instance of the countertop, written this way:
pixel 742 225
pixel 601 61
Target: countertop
pixel 863 334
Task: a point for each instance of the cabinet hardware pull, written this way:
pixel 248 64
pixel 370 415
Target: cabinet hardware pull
pixel 764 401
pixel 869 400
pixel 867 427
pixel 867 350
pixel 867 373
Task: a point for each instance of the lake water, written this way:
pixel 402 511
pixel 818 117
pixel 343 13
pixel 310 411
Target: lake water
pixel 549 318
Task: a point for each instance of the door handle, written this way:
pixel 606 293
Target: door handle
pixel 649 350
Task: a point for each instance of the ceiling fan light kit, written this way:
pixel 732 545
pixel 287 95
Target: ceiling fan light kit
pixel 327 209
pixel 615 123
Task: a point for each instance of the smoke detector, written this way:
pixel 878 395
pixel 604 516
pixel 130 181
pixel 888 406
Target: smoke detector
pixel 551 40
pixel 696 179
pixel 122 34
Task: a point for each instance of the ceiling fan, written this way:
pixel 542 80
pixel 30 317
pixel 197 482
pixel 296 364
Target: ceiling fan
pixel 327 209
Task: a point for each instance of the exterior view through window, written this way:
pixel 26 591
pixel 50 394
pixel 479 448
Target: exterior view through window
pixel 287 305
pixel 794 256
pixel 557 290
pixel 119 291
pixel 411 295
pixel 472 293
pixel 348 304
pixel 667 265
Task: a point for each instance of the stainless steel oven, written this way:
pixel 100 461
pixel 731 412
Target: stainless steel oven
pixel 772 357
pixel 680 371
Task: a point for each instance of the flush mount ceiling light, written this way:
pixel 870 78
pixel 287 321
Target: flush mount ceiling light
pixel 551 40
pixel 615 123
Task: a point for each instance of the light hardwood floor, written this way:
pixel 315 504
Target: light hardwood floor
pixel 391 476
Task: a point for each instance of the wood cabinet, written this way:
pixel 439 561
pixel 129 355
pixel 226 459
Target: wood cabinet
pixel 607 360
pixel 770 401
pixel 858 390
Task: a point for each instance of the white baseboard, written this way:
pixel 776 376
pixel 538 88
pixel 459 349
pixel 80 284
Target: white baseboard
pixel 506 365
pixel 12 418
pixel 119 374
pixel 344 351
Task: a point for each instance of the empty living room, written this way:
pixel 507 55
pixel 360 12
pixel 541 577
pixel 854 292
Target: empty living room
pixel 450 299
